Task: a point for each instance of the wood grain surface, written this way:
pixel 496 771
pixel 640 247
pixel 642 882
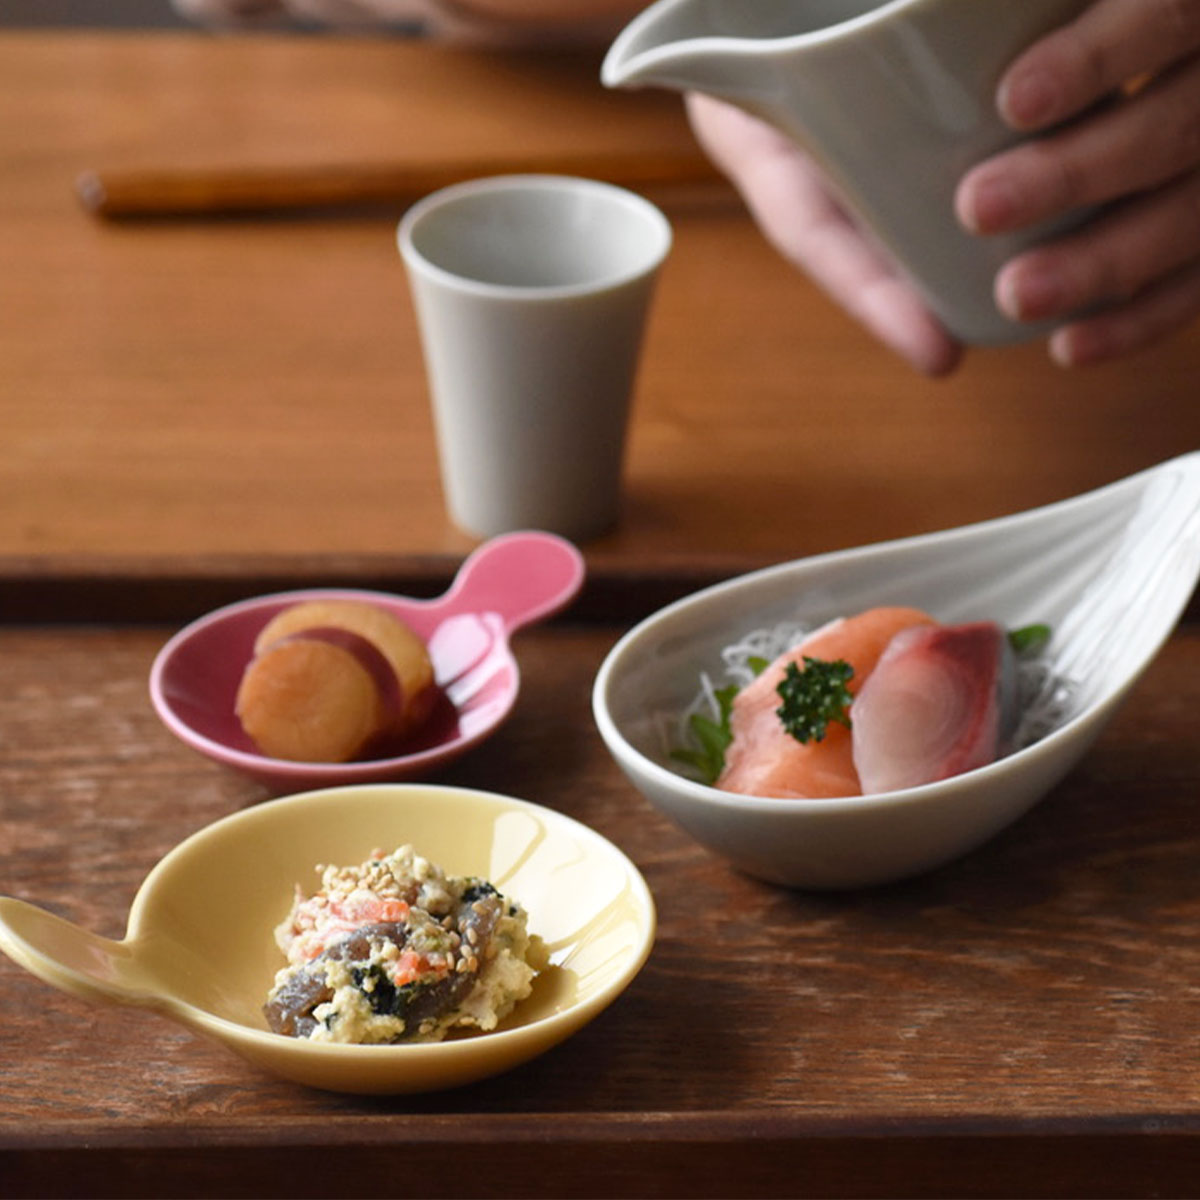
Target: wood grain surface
pixel 193 410
pixel 1023 1022
pixel 254 387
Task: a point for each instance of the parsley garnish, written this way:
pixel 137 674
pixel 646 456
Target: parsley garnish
pixel 813 697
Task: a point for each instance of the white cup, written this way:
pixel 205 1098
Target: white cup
pixel 531 294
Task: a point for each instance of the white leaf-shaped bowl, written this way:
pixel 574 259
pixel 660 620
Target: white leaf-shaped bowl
pixel 1110 571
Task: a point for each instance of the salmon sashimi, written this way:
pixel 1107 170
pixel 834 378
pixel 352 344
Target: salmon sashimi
pixel 934 705
pixel 763 759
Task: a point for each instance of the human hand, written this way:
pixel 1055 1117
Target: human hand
pixel 786 194
pixel 1136 153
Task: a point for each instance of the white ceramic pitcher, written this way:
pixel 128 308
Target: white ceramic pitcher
pixel 894 98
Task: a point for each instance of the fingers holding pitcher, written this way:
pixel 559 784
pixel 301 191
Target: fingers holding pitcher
pixel 1121 148
pixel 1136 269
pixel 1156 313
pixel 1118 92
pixel 1111 43
pixel 792 204
pixel 1111 259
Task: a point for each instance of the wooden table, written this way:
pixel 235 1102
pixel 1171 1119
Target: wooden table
pixel 253 388
pixel 195 410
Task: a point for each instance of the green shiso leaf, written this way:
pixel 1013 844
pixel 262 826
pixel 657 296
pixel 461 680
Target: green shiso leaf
pixel 707 758
pixel 1029 639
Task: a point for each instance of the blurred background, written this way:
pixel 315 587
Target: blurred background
pixel 115 13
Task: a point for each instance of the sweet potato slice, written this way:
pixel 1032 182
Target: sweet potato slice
pixel 403 649
pixel 307 700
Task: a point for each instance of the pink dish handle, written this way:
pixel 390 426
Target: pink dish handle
pixel 522 577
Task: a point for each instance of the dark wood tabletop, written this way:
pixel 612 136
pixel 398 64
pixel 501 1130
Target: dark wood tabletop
pixel 201 408
pixel 1023 1022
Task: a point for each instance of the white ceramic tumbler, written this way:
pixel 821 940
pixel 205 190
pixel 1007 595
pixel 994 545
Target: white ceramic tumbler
pixel 531 294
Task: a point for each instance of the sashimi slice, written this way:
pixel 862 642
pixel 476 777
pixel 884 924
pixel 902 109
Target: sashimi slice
pixel 931 708
pixel 763 759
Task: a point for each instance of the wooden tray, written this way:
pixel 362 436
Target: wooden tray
pixel 1023 1022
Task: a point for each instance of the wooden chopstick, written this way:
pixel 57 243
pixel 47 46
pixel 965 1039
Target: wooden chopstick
pixel 216 191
